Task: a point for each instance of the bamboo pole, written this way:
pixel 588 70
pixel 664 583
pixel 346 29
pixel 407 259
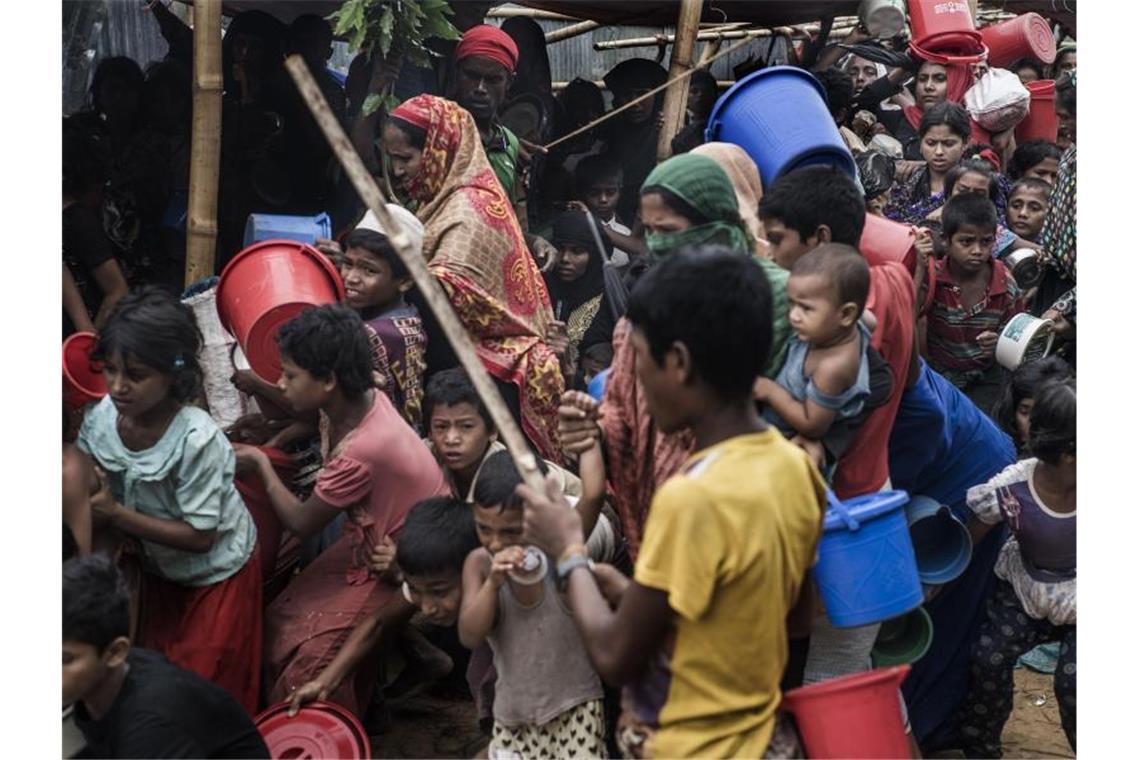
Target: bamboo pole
pixel 705 36
pixel 681 61
pixel 433 293
pixel 556 86
pixel 206 143
pixel 606 117
pixel 566 32
pixel 528 13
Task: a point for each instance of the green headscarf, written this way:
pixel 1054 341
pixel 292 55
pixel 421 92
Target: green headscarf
pixel 701 183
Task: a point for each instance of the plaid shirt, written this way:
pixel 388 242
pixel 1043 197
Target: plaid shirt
pixel 952 329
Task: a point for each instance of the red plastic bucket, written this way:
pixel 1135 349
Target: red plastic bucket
pixel 318 730
pixel 930 18
pixel 1041 123
pixel 83 380
pixel 1027 36
pixel 886 240
pixel 953 48
pixel 267 285
pixel 856 716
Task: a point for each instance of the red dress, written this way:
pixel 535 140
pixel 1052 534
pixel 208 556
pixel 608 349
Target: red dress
pixel 377 472
pixel 863 469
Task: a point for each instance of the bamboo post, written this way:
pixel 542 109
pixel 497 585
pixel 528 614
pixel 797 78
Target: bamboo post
pixel 677 96
pixel 705 36
pixel 573 30
pixel 206 143
pixel 433 293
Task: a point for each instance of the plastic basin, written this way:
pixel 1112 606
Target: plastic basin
pixel 267 285
pixel 1027 36
pixel 303 229
pixel 83 381
pixel 942 544
pixel 780 118
pixel 318 730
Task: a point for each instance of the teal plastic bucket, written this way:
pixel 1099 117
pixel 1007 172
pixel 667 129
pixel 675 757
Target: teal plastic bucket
pixel 303 229
pixel 904 640
pixel 942 545
pixel 866 571
pixel 779 116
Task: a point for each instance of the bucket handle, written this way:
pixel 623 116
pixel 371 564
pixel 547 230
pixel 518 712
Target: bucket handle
pixel 951 60
pixel 836 505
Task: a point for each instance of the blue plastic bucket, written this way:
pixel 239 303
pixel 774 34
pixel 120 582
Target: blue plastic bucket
pixel 303 229
pixel 779 117
pixel 597 385
pixel 866 570
pixel 942 545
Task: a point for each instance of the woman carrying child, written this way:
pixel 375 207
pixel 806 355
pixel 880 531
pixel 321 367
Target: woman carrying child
pixel 375 468
pixel 1035 599
pixel 166 472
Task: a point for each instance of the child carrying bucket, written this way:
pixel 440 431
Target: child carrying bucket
pixel 826 376
pixel 1035 598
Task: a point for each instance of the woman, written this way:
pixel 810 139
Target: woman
pixel 631 137
pixel 687 200
pixel 943 133
pixel 577 285
pixel 745 178
pixel 941 445
pixel 475 248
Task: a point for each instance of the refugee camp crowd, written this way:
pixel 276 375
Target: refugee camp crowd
pixel 362 534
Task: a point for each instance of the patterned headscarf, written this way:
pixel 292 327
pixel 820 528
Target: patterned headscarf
pixel 475 248
pixel 699 182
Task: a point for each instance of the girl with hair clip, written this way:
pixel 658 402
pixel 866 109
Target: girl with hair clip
pixel 1035 598
pixel 166 479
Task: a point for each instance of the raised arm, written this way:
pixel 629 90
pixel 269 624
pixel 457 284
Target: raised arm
pixel 483 576
pixel 303 519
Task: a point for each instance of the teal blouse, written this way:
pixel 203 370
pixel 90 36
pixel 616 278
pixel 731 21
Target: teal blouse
pixel 189 476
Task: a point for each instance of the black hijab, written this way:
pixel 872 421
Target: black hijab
pixel 574 227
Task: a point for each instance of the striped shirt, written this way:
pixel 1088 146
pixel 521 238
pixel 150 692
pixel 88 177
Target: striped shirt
pixel 953 328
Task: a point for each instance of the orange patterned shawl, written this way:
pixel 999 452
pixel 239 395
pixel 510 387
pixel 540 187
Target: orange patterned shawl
pixel 475 248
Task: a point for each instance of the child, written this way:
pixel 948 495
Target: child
pixel 1038 159
pixel 826 376
pixel 132 702
pixel 595 359
pixel 974 296
pixel 548 699
pixel 375 468
pixel 1025 211
pixel 463 438
pixel 1035 598
pixel 438 535
pixel 375 281
pixel 1016 403
pixel 167 479
pixel 698 637
pixel 597 184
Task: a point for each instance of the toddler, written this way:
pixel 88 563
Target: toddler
pixel 1035 598
pixel 548 698
pixel 826 376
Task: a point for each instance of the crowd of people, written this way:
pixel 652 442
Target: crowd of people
pixel 365 534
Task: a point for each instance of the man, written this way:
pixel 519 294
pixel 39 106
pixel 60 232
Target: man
pixel 485 62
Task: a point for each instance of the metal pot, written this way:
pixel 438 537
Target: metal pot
pixel 882 18
pixel 1025 267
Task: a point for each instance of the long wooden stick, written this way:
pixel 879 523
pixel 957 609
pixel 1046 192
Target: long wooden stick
pixel 433 293
pixel 680 62
pixel 566 32
pixel 205 141
pixel 646 96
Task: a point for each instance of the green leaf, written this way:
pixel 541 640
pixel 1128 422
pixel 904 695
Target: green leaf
pixel 371 104
pixel 385 31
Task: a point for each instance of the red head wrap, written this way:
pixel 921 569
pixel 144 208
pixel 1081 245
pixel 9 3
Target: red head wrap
pixel 489 42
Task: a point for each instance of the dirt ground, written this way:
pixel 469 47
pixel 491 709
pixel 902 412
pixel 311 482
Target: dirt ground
pixel 431 726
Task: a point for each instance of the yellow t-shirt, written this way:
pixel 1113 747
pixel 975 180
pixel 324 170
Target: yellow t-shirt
pixel 729 538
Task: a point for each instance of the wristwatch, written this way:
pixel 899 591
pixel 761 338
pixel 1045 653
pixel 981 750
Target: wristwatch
pixel 568 565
